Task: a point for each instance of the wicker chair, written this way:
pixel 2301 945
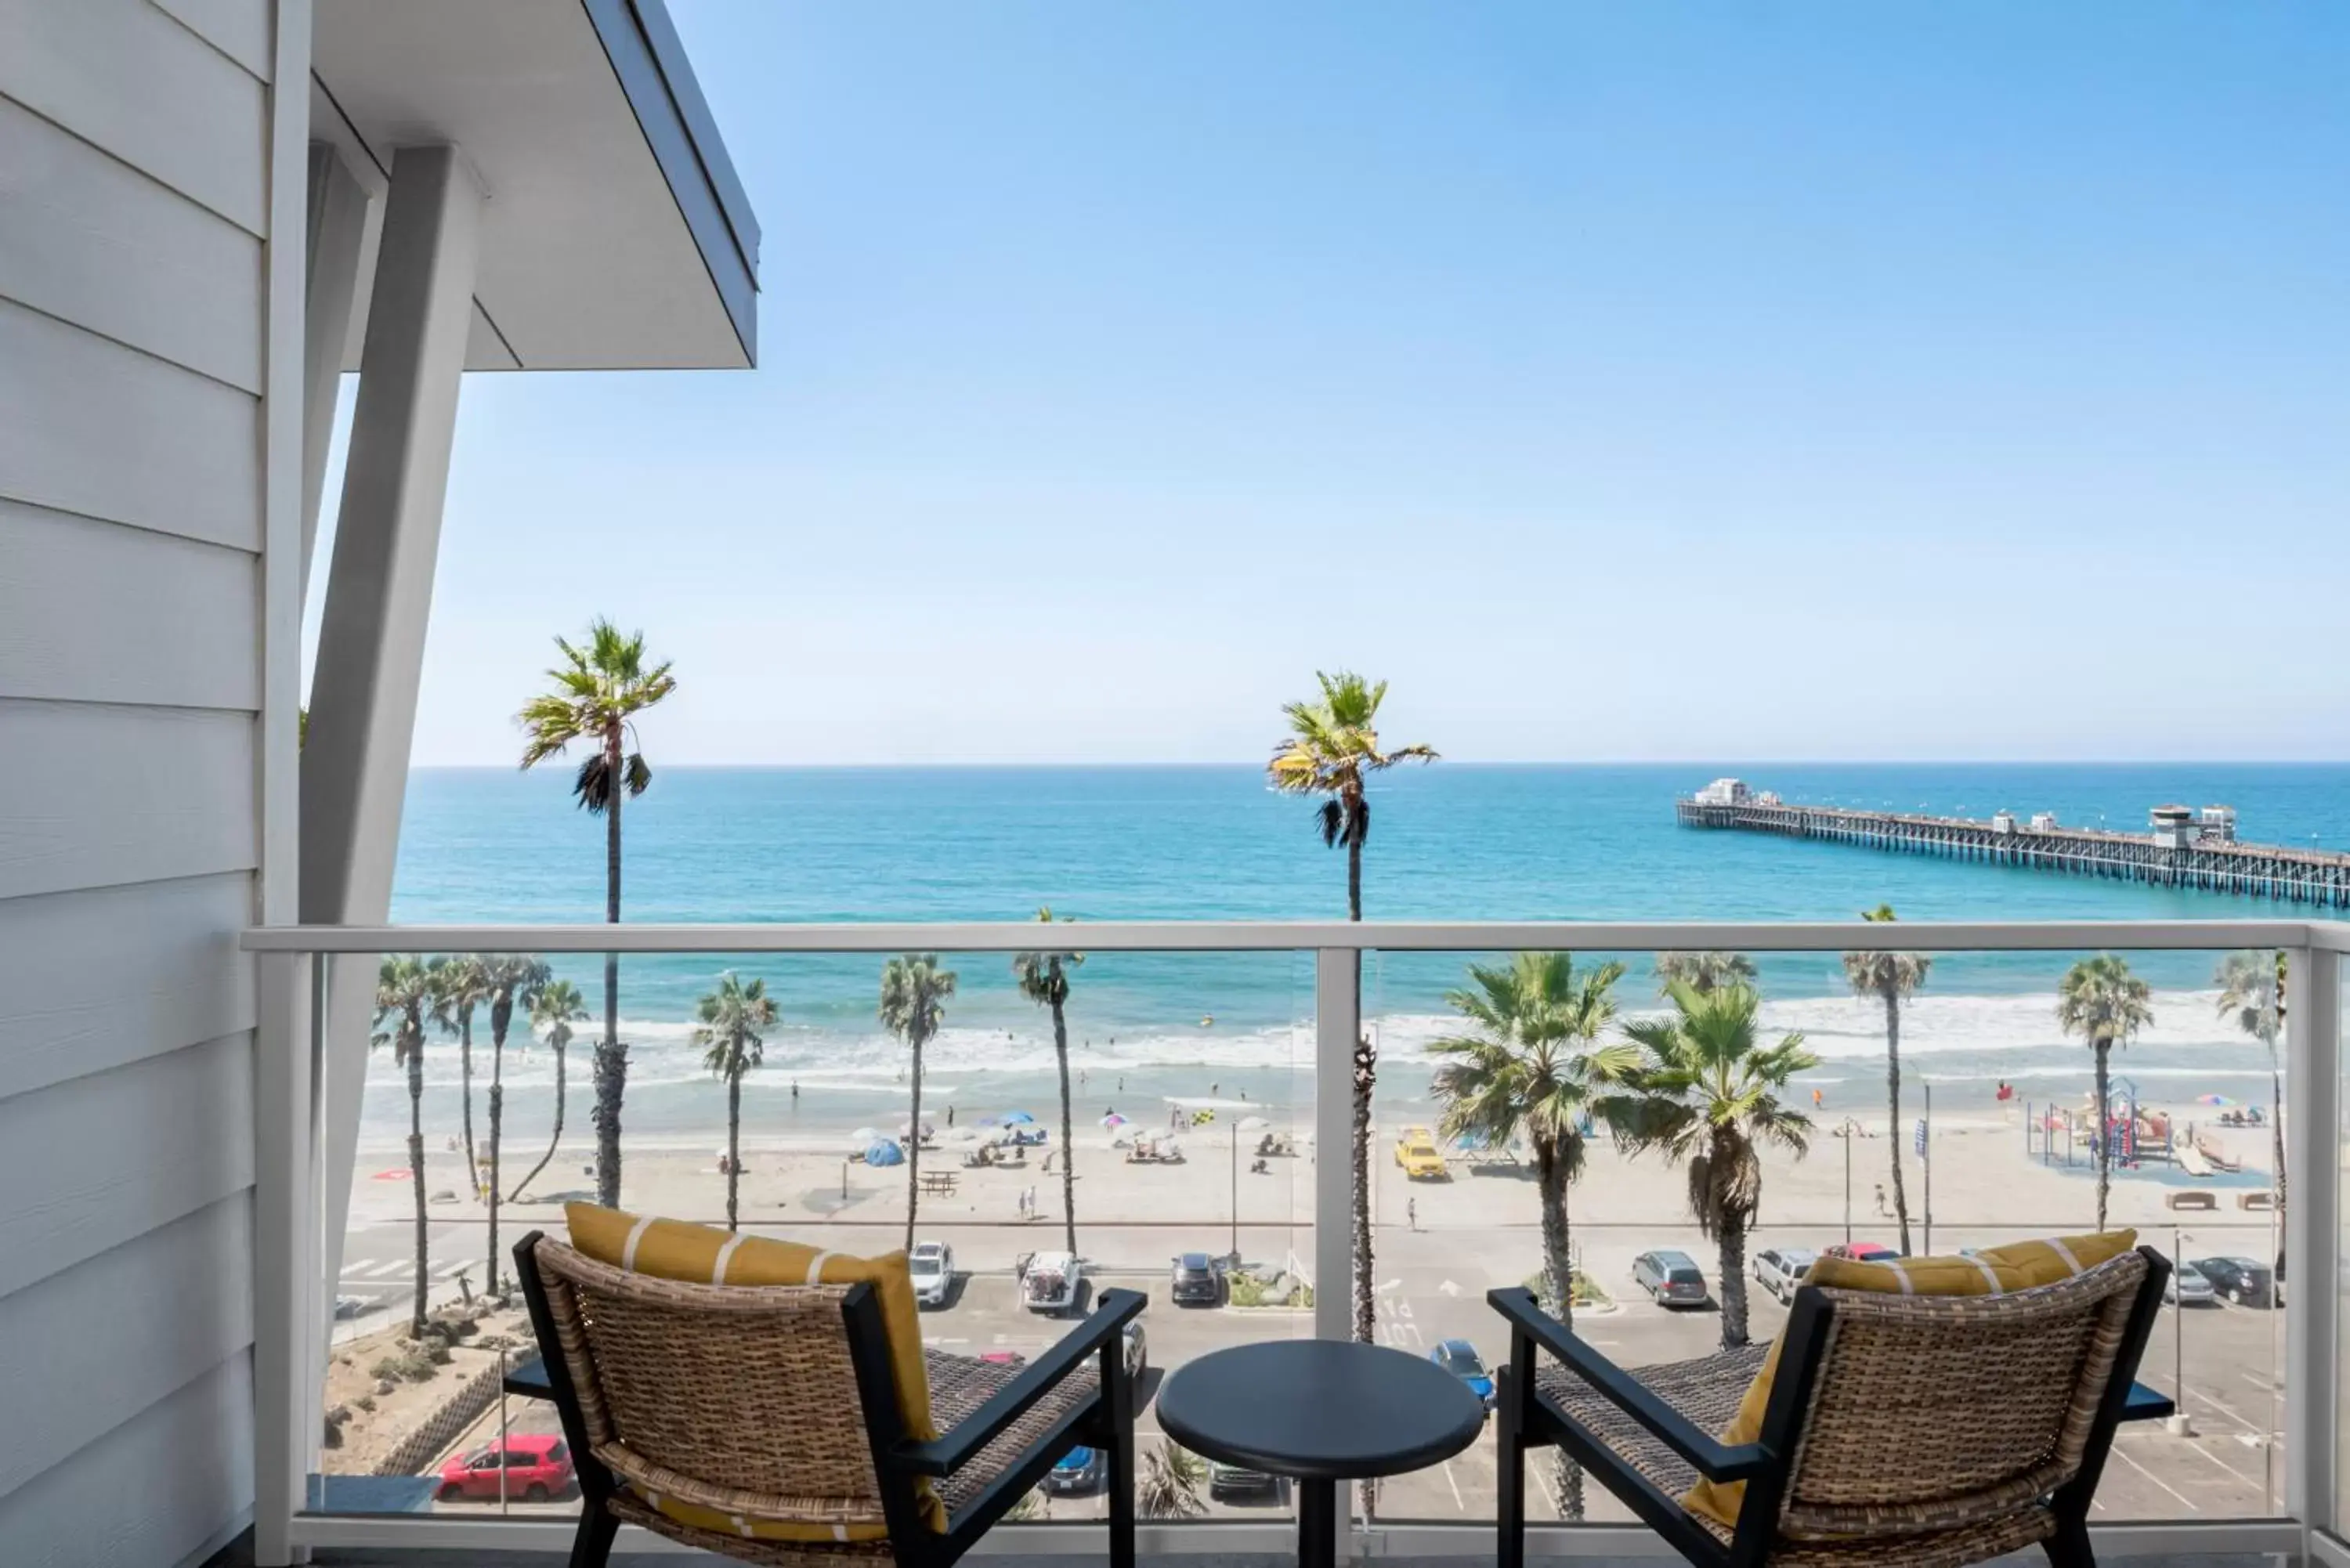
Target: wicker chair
pixel 1917 1431
pixel 777 1402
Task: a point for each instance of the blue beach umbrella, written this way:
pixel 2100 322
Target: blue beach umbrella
pixel 884 1153
pixel 1015 1118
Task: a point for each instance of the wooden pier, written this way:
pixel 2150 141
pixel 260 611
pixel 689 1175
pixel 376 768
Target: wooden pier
pixel 2211 864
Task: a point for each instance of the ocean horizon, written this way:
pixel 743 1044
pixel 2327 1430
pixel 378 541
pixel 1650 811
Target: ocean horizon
pixel 1493 841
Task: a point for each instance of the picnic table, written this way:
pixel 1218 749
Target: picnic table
pixel 940 1183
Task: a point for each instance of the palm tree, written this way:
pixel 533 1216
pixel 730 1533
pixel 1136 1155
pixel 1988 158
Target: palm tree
pixel 506 979
pixel 2102 1001
pixel 1043 980
pixel 1168 1486
pixel 459 985
pixel 2251 989
pixel 404 991
pixel 914 990
pixel 1530 1065
pixel 1331 750
pixel 553 1010
pixel 729 1032
pixel 1707 1093
pixel 1895 977
pixel 598 690
pixel 1703 971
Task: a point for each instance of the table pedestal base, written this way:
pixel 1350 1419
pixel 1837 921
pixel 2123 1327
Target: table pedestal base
pixel 1317 1523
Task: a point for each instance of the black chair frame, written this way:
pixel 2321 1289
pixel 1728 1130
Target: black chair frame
pixel 1527 1418
pixel 1104 1421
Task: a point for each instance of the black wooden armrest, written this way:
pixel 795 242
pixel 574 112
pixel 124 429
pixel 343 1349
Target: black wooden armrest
pixel 1714 1460
pixel 950 1451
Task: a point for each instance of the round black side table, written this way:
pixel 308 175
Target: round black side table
pixel 1319 1412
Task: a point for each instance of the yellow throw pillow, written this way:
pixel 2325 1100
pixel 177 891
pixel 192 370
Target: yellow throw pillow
pixel 1993 1271
pixel 701 1254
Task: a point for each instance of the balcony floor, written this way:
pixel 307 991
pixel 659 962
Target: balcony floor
pixel 239 1555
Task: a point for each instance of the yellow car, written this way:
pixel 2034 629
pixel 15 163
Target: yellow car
pixel 1416 1152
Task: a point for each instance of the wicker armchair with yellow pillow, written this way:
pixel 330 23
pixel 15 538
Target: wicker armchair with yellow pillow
pixel 1927 1413
pixel 773 1403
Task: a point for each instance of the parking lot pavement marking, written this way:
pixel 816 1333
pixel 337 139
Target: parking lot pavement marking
pixel 2122 1454
pixel 1458 1501
pixel 453 1267
pixel 2223 1464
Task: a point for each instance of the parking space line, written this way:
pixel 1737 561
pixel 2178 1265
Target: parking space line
pixel 2223 1464
pixel 1458 1501
pixel 2123 1454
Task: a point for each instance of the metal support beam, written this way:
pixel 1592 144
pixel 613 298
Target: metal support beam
pixel 371 653
pixel 2312 1233
pixel 337 221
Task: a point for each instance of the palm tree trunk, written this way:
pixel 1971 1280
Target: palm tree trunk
pixel 2276 1132
pixel 1734 1281
pixel 1367 1072
pixel 914 1147
pixel 1558 1285
pixel 1893 1127
pixel 497 1112
pixel 2101 1046
pixel 1068 1129
pixel 733 1130
pixel 465 1096
pixel 416 1170
pixel 611 1058
pixel 556 1138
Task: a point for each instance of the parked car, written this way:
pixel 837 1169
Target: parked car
pixel 1780 1269
pixel 1052 1283
pixel 1862 1253
pixel 2243 1281
pixel 1416 1151
pixel 1079 1470
pixel 1235 1480
pixel 1137 1350
pixel 931 1265
pixel 1196 1279
pixel 351 1306
pixel 1459 1357
pixel 2188 1286
pixel 536 1466
pixel 1670 1278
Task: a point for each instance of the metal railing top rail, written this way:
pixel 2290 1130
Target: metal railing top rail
pixel 1282 936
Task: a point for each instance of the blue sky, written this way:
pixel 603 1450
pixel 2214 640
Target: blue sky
pixel 1656 381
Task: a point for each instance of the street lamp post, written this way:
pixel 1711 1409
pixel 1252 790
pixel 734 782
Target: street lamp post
pixel 2180 1424
pixel 1850 1129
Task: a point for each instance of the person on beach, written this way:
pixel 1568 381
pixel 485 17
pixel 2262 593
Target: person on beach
pixel 951 1113
pixel 1880 1202
pixel 1816 1099
pixel 1411 1212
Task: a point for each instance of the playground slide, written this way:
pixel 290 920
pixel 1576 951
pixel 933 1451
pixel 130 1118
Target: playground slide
pixel 2191 1160
pixel 2218 1157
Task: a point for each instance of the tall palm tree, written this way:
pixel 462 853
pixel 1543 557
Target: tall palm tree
pixel 1703 971
pixel 731 1020
pixel 1331 750
pixel 597 691
pixel 1707 1092
pixel 507 979
pixel 553 1010
pixel 1043 980
pixel 404 991
pixel 2103 1003
pixel 1530 1065
pixel 460 985
pixel 914 991
pixel 1895 978
pixel 2252 991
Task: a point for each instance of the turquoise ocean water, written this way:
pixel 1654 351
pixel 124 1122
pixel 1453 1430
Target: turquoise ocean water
pixel 1452 841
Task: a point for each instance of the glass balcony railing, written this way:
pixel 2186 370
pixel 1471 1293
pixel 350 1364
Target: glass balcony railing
pixel 440 1093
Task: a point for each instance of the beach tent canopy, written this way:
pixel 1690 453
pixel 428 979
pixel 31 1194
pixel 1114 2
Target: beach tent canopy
pixel 883 1152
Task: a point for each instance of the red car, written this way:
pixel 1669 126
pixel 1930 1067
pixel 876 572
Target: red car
pixel 536 1466
pixel 1862 1253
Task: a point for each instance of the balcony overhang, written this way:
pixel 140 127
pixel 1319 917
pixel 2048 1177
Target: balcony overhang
pixel 616 234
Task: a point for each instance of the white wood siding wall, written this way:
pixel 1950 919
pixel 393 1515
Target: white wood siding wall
pixel 135 140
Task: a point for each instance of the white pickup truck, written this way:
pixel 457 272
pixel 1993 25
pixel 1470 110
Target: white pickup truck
pixel 1052 1283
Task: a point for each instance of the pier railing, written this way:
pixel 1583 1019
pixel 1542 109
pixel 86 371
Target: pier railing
pixel 318 990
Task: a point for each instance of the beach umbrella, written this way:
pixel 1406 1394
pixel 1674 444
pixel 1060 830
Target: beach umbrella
pixel 2214 1100
pixel 906 1129
pixel 1253 1123
pixel 962 1135
pixel 1111 1120
pixel 883 1152
pixel 864 1135
pixel 1017 1118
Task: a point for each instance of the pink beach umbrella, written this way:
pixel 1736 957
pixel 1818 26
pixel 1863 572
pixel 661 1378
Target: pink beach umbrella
pixel 1113 1120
